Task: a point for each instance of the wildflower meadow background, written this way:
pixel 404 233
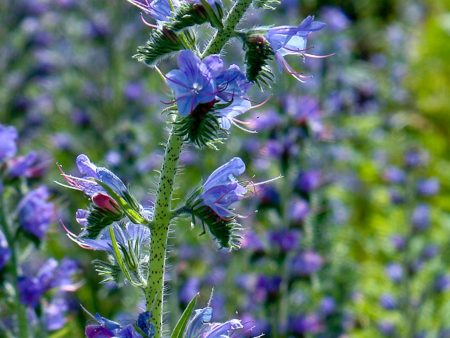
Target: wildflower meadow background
pixel 216 168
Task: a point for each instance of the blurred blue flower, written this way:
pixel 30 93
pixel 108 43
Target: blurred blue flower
pixel 394 175
pixel 327 305
pixel 386 328
pixel 8 145
pixel 335 18
pixel 284 240
pixel 267 287
pixel 395 272
pixel 291 40
pixel 35 213
pixel 309 180
pixel 421 217
pixel 304 324
pixel 442 283
pixel 222 189
pixel 106 328
pixel 50 276
pixel 388 302
pixel 306 263
pixel 428 187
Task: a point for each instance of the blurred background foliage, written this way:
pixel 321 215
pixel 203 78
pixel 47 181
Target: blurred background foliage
pixel 70 86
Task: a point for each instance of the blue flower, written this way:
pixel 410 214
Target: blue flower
pixel 159 10
pixel 106 328
pixel 222 189
pixel 128 237
pixel 291 40
pixel 192 83
pixel 200 326
pixel 35 213
pixel 8 146
pixel 208 82
pixel 50 276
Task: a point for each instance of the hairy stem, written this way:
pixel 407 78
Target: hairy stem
pixel 154 292
pixel 158 245
pixel 222 36
pixel 20 308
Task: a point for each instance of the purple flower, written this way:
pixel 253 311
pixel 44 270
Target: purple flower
pixel 429 187
pixel 5 253
pixel 51 275
pixel 302 324
pixel 252 242
pixel 192 83
pixel 106 328
pixel 335 18
pixel 420 217
pixel 386 328
pixel 127 236
pixel 8 145
pixel 291 40
pixel 309 180
pixel 415 158
pixel 267 287
pixel 30 165
pixel 35 212
pixel 54 315
pixel 189 289
pixel 159 10
pixel 395 272
pixel 398 242
pixel 306 263
pixel 200 326
pixel 327 305
pixel 284 240
pixel 442 283
pixel 394 175
pixel 298 210
pixel 388 302
pixel 222 189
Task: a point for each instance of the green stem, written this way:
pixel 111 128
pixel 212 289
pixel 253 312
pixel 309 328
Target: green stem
pixel 222 36
pixel 154 292
pixel 20 308
pixel 160 228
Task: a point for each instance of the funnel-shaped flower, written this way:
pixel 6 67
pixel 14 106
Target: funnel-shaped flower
pixel 291 40
pixel 222 189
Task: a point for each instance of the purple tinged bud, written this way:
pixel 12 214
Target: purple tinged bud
pixel 8 144
pixel 105 202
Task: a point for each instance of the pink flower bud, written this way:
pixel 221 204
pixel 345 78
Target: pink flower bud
pixel 104 201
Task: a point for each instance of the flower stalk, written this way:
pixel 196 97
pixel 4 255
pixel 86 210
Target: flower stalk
pixel 154 292
pixel 20 308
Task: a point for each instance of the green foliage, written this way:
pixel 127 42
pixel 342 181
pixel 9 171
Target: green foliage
pixel 267 4
pixel 161 43
pixel 191 14
pixel 178 331
pixel 98 220
pixel 201 127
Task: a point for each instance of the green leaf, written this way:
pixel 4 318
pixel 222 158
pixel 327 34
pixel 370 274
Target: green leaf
pixel 161 43
pixel 118 255
pixel 258 54
pixel 178 331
